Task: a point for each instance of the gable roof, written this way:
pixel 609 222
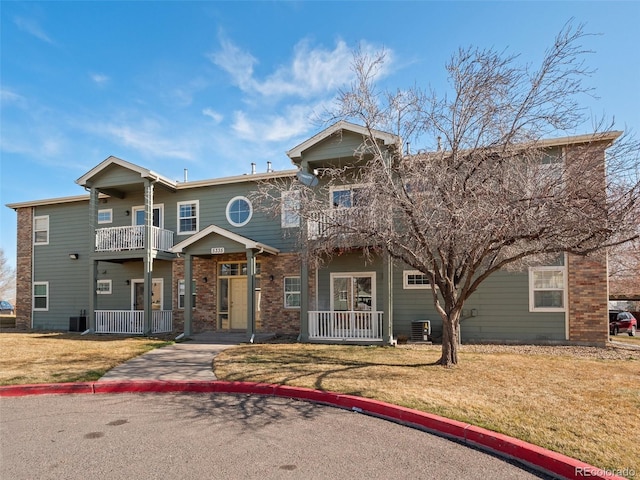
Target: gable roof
pixel 214 229
pixel 143 172
pixel 296 152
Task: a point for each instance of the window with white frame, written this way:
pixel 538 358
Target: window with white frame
pixel 290 209
pixel 41 230
pixel 347 196
pixel 292 292
pixel 103 287
pixel 41 296
pixel 188 217
pixel 414 279
pixel 547 288
pixel 239 211
pixel 181 294
pixel 105 215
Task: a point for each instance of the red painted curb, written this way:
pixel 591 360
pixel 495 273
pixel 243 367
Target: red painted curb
pixel 531 455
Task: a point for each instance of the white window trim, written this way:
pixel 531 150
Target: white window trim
pixel 285 292
pixel 48 230
pixel 189 202
pixel 405 281
pixel 242 224
pixel 286 214
pixel 351 275
pixel 193 293
pixel 565 288
pixel 339 188
pixel 105 210
pixel 138 208
pixel 104 292
pixel 33 299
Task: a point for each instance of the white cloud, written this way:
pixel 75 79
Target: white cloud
pixel 100 79
pixel 237 63
pixel 217 117
pixel 147 138
pixel 10 97
pixel 295 120
pixel 31 27
pixel 312 71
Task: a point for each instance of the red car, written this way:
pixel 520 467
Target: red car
pixel 621 322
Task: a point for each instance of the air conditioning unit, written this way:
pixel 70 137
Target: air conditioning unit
pixel 420 330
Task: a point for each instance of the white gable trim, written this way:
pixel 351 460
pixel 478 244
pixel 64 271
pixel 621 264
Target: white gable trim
pixel 247 242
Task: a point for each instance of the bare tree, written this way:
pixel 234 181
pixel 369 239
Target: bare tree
pixel 492 194
pixel 7 278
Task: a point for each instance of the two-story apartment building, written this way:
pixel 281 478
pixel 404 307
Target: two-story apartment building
pixel 118 260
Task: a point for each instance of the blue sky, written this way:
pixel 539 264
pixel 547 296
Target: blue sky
pixel 214 86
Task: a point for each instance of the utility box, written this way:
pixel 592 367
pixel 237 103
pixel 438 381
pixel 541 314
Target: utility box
pixel 77 324
pixel 421 330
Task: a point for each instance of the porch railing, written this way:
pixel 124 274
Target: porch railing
pixel 345 325
pixel 131 322
pixel 114 239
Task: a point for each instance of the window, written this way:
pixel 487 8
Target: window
pixel 158 215
pixel 41 296
pixel 290 209
pixel 103 287
pixel 181 294
pixel 105 216
pixel 353 291
pixel 41 230
pixel 414 279
pixel 347 196
pixel 547 289
pixel 239 211
pixel 291 292
pixel 188 217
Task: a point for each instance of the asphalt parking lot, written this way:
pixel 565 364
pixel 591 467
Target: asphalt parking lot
pixel 220 436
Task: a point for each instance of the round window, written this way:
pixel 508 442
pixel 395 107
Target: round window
pixel 239 211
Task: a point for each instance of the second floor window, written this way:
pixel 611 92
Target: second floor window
pixel 105 216
pixel 347 196
pixel 41 230
pixel 188 217
pixel 290 209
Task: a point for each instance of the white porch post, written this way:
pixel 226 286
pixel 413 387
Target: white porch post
pixel 188 294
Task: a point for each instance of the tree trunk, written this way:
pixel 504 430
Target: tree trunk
pixel 450 339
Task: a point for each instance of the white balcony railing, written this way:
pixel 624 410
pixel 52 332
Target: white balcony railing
pixel 115 239
pixel 131 322
pixel 339 221
pixel 345 325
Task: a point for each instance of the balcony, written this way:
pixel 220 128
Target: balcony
pixel 117 239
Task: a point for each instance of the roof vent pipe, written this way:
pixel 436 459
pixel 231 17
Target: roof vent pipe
pixel 269 169
pixel 186 175
pixel 253 168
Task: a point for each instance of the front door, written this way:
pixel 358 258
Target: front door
pixel 138 294
pixel 238 304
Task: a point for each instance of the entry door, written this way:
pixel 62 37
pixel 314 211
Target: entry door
pixel 156 294
pixel 238 304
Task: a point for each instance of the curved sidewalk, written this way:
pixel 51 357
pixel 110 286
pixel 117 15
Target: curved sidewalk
pixel 187 367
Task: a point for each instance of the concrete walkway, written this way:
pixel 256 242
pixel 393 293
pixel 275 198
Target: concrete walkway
pixel 188 360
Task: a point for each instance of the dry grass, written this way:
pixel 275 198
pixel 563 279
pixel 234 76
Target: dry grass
pixel 63 357
pixel 624 338
pixel 582 402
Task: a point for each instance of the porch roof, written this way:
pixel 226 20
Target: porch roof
pixel 214 229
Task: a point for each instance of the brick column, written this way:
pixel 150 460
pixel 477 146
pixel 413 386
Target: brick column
pixel 588 299
pixel 24 262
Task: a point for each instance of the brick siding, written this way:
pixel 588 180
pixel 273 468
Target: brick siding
pixel 24 267
pixel 588 299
